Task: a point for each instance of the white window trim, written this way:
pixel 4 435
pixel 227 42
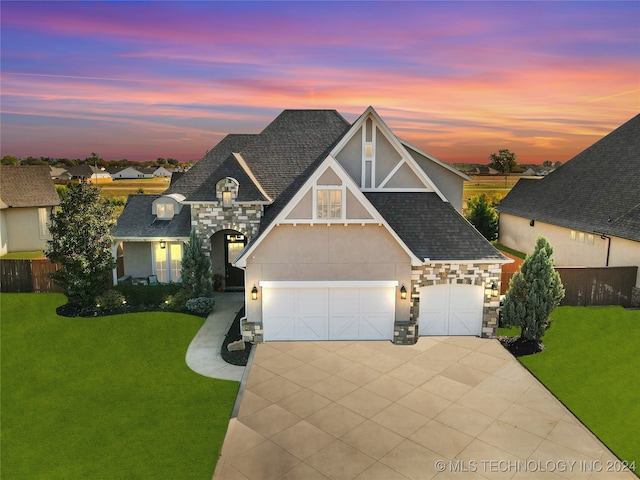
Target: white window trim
pixel 365 158
pixel 154 248
pixel 43 223
pixel 343 210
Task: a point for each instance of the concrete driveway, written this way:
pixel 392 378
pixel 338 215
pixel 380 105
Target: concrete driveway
pixel 447 407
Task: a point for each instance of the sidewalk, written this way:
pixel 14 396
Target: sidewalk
pixel 203 355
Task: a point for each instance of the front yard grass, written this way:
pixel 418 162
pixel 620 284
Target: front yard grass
pixel 105 397
pixel 23 255
pixel 591 363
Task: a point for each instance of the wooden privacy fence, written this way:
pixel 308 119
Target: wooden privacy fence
pixel 23 276
pixel 585 286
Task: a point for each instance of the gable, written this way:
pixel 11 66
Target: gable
pixel 377 161
pixel 328 197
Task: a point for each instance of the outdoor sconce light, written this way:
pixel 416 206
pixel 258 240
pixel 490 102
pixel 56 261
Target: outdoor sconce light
pixel 403 292
pixel 254 293
pixel 163 244
pixel 532 222
pixel 494 289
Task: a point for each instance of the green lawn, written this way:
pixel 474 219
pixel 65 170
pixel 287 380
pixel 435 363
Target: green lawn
pixel 592 364
pixel 23 255
pixel 106 397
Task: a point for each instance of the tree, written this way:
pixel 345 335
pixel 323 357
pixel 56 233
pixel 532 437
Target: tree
pixel 161 161
pixel 504 161
pixel 483 216
pixel 172 161
pixel 10 160
pixel 81 244
pixel 548 164
pixel 534 292
pixel 196 268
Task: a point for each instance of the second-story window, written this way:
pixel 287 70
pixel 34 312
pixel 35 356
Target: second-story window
pixel 329 203
pixel 226 199
pixel 164 210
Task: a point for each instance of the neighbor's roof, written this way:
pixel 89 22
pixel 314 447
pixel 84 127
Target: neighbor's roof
pixel 137 220
pixel 597 191
pixel 431 228
pixel 27 186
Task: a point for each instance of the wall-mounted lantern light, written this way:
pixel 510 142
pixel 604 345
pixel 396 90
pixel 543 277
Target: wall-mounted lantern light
pixel 532 222
pixel 163 244
pixel 254 293
pixel 494 289
pixel 403 292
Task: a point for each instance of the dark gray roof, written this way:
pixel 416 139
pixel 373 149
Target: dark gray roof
pixel 247 189
pixel 598 190
pixel 199 174
pixel 137 220
pixel 27 186
pixel 432 228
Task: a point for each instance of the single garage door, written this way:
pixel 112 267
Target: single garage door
pixel 328 310
pixel 451 309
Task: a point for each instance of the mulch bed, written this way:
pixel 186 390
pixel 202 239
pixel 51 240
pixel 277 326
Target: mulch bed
pixel 238 357
pixel 519 347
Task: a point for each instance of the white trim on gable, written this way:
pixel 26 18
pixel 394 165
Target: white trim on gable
pixel 359 126
pixel 310 184
pixel 248 171
pixel 464 176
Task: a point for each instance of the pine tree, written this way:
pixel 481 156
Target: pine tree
pixel 196 268
pixel 81 244
pixel 483 216
pixel 534 292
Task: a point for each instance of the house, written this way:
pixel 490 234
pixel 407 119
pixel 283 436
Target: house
pixel 60 173
pixel 119 173
pixel 89 173
pixel 484 170
pixel 27 199
pixel 588 208
pixel 161 172
pixel 335 231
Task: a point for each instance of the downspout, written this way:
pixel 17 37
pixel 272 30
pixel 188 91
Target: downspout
pixel 604 237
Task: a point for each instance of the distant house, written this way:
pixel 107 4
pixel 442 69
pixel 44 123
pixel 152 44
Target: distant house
pixel 88 173
pixel 60 173
pixel 484 170
pixel 529 172
pixel 161 172
pixel 119 173
pixel 27 199
pixel 588 209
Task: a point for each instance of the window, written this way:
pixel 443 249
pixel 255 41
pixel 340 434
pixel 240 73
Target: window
pixel 329 204
pixel 581 237
pixel 226 199
pixel 164 210
pixel 43 221
pixel 589 239
pixel 168 262
pixel 573 235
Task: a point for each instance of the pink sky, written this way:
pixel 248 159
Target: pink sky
pixel 460 80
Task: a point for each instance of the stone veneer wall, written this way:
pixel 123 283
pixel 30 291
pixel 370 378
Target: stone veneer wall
pixel 209 218
pixel 483 274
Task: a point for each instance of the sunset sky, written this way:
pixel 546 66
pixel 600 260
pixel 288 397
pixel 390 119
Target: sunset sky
pixel 141 80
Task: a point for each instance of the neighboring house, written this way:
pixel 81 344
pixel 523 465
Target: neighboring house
pixel 588 209
pixel 338 231
pixel 529 172
pixel 89 173
pixel 161 172
pixel 484 170
pixel 119 173
pixel 27 199
pixel 60 173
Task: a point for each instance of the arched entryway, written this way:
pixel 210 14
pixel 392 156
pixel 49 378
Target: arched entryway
pixel 226 245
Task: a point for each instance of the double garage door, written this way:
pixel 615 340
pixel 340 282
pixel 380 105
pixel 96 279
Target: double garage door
pixel 328 311
pixel 451 309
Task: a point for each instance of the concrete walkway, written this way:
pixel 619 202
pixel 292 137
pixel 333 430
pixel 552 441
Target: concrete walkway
pixel 447 407
pixel 203 354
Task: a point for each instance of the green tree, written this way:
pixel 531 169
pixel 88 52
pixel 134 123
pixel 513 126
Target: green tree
pixel 196 268
pixel 81 244
pixel 10 160
pixel 172 161
pixel 161 161
pixel 534 292
pixel 504 161
pixel 483 216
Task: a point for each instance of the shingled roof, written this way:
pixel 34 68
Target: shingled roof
pixel 27 186
pixel 137 220
pixel 596 191
pixel 431 228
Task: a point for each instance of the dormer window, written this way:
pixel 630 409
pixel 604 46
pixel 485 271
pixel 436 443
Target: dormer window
pixel 227 199
pixel 164 210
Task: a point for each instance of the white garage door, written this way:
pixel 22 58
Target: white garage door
pixel 451 309
pixel 328 311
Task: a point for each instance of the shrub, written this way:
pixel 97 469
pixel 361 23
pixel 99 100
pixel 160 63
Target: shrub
pixel 147 295
pixel 110 300
pixel 200 305
pixel 177 302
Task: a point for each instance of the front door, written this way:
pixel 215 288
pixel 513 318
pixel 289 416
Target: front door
pixel 233 245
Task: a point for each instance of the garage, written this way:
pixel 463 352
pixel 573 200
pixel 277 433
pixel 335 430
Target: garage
pixel 451 309
pixel 328 310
